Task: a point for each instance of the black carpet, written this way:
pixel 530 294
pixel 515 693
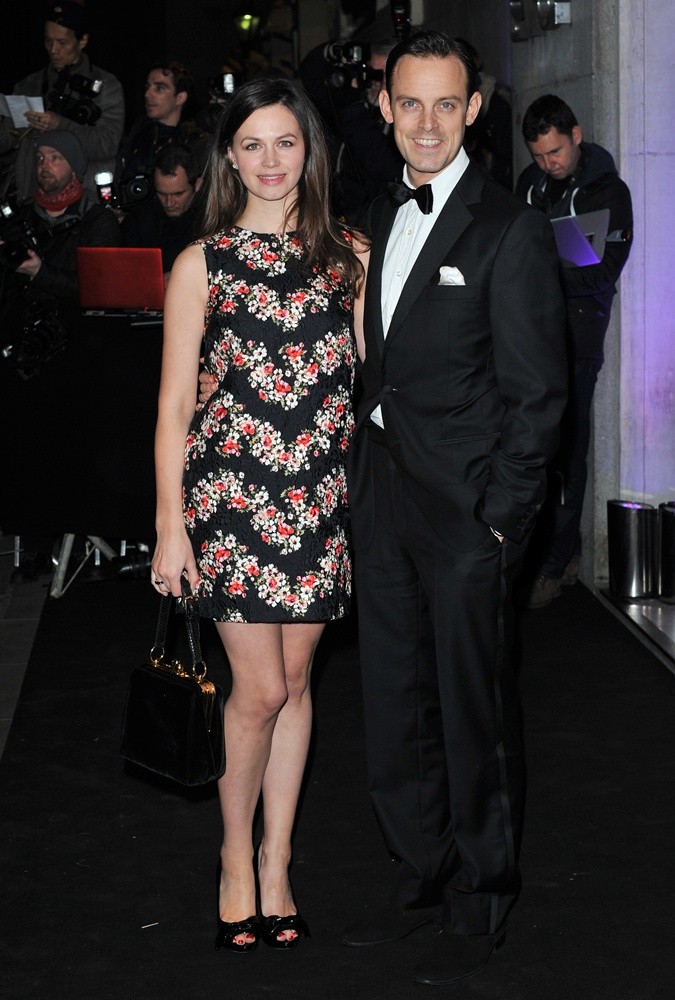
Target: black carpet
pixel 108 878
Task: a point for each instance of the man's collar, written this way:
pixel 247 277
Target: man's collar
pixel 443 183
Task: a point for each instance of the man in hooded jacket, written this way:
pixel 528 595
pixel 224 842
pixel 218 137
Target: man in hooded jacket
pixel 573 177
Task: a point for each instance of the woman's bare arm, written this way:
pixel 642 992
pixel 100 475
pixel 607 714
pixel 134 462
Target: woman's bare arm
pixel 184 307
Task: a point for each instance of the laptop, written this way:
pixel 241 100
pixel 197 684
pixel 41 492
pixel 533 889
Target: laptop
pixel 581 238
pixel 120 280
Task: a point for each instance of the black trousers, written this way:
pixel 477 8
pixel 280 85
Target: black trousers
pixel 556 538
pixel 443 731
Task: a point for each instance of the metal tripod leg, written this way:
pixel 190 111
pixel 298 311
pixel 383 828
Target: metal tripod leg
pixel 59 586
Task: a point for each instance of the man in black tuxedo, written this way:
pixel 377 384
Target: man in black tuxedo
pixel 464 387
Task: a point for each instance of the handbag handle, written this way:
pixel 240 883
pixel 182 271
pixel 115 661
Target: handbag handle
pixel 157 653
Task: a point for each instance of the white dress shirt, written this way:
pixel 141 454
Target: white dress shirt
pixel 408 235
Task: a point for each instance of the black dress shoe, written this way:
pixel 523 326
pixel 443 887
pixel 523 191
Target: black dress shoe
pixel 388 923
pixel 453 957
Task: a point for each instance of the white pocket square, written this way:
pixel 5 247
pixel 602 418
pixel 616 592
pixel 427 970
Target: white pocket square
pixel 451 276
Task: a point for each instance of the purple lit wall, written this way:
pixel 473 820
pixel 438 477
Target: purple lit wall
pixel 647 58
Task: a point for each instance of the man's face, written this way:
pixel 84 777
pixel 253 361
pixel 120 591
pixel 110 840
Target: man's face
pixel 557 154
pixel 162 103
pixel 62 46
pixel 429 110
pixel 174 192
pixel 52 170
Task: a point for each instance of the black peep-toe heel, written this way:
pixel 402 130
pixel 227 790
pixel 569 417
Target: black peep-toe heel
pixel 228 930
pixel 271 927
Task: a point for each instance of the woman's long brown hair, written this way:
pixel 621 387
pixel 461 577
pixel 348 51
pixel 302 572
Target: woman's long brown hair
pixel 225 195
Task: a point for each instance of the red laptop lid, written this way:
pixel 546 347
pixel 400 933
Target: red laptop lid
pixel 120 278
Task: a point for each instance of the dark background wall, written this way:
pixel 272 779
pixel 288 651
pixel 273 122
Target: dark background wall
pixel 129 35
pixel 126 37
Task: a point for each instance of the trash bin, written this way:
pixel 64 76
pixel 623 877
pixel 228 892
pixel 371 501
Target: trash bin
pixel 667 580
pixel 632 539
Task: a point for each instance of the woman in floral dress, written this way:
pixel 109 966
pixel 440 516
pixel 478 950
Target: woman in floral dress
pixel 251 497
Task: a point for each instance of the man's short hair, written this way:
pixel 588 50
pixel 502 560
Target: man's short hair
pixel 547 112
pixel 182 78
pixel 434 43
pixel 169 158
pixel 68 14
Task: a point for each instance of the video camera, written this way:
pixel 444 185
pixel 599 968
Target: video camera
pixel 73 97
pixel 223 85
pixel 348 64
pixel 19 234
pixel 400 16
pixel 42 335
pixel 18 237
pixel 122 196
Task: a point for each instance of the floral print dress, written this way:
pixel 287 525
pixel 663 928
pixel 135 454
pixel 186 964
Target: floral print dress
pixel 264 491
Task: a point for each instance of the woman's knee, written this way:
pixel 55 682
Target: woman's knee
pixel 297 680
pixel 260 704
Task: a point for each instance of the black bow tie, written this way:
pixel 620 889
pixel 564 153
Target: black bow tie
pixel 424 196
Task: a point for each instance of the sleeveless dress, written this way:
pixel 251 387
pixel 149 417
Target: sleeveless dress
pixel 264 486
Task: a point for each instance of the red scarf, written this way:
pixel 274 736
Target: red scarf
pixel 71 193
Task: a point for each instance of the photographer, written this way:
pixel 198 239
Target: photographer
pixel 39 315
pixel 39 243
pixel 343 79
pixel 79 98
pixel 169 220
pixel 167 92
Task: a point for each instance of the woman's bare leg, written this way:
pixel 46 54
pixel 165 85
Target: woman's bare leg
pixel 258 693
pixel 285 770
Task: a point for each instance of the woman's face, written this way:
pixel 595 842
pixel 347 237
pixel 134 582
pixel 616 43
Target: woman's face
pixel 269 153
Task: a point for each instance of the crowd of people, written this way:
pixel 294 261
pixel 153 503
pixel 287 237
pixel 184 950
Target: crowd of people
pixel 275 491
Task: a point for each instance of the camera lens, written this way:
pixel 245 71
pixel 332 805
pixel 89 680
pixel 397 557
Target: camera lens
pixel 85 113
pixel 12 254
pixel 138 188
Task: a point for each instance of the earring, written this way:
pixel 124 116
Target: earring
pixel 234 165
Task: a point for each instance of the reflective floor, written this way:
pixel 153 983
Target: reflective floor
pixel 652 620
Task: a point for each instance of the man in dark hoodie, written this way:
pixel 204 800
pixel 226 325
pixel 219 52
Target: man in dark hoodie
pixel 572 177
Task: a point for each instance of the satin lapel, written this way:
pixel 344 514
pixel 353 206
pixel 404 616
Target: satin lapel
pixel 450 225
pixel 373 306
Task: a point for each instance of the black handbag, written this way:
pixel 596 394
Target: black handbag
pixel 173 717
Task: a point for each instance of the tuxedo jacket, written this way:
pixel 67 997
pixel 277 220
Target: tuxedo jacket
pixel 471 378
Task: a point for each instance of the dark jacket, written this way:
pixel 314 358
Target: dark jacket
pixel 54 288
pixel 148 225
pixel 471 378
pixel 84 224
pixel 49 301
pixel 589 290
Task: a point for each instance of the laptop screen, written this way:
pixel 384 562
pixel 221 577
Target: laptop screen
pixel 581 238
pixel 120 278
